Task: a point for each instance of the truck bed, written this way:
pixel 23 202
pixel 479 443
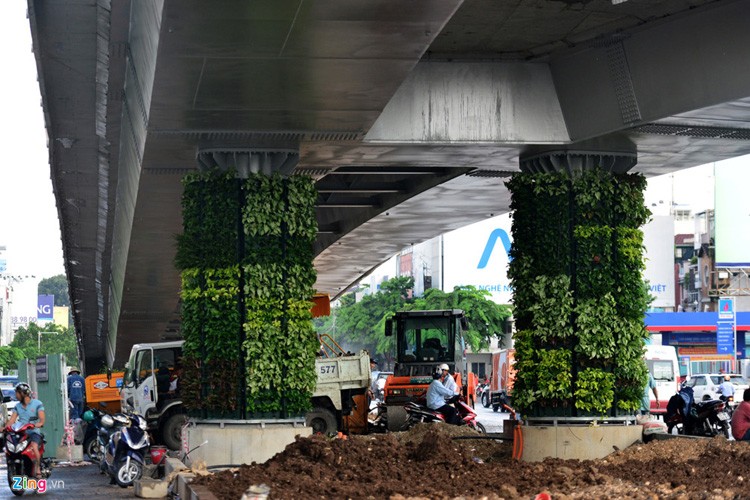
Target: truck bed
pixel 344 372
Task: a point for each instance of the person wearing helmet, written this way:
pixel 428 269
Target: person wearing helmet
pixel 726 389
pixel 29 411
pixel 437 394
pixel 448 381
pixel 76 393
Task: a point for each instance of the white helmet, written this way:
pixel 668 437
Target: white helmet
pixel 445 366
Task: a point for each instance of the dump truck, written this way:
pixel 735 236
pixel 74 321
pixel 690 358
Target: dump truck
pixel 340 379
pixel 340 397
pixel 501 382
pixel 425 339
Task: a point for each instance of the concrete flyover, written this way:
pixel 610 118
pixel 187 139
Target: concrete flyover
pixel 408 115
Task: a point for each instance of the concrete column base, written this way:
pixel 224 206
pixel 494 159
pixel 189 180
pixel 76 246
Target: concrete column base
pixel 582 442
pixel 236 442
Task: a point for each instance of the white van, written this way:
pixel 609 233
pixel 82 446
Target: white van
pixel 664 367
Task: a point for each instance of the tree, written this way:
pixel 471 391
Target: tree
pixel 9 357
pixel 57 286
pixel 360 325
pixel 485 318
pixel 54 339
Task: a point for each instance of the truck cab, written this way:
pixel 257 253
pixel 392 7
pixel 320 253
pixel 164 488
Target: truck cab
pixel 150 373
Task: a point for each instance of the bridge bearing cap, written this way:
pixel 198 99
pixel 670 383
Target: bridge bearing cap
pixel 616 155
pixel 247 161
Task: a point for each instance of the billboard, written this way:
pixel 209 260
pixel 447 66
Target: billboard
pixel 478 255
pixel 732 205
pixel 45 309
pixel 658 240
pixel 62 315
pixel 24 302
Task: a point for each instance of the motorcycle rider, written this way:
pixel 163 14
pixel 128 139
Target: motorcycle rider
pixel 448 381
pixel 436 395
pixel 29 411
pixel 726 389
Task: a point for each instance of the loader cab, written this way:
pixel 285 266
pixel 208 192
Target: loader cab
pixel 427 338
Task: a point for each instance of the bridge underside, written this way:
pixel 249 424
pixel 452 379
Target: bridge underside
pixel 409 116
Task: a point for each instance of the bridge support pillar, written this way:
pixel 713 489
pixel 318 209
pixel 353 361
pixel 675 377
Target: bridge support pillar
pixel 247 284
pixel 578 291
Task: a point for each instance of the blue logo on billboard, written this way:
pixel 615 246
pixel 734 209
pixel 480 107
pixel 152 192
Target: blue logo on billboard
pixel 45 309
pixel 497 234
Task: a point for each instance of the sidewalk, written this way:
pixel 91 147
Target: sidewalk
pixel 72 482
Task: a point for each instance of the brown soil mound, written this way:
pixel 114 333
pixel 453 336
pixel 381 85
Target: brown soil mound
pixel 427 462
pixel 486 449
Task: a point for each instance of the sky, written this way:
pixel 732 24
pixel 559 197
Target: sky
pixel 29 226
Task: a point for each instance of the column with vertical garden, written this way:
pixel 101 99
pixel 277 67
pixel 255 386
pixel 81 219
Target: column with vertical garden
pixel 280 342
pixel 247 283
pixel 579 294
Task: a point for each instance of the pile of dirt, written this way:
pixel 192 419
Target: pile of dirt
pixel 488 450
pixel 427 462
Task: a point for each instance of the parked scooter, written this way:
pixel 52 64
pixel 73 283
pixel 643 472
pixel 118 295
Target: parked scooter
pixel 704 418
pixel 126 450
pixel 419 413
pixel 18 456
pixel 99 428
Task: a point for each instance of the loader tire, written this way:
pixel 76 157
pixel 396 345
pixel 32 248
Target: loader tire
pixel 397 418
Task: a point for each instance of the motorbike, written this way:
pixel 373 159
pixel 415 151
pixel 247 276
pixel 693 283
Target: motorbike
pixel 418 413
pixel 704 418
pixel 126 450
pixel 98 431
pixel 18 456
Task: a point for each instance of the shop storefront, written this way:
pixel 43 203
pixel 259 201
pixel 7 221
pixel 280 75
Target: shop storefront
pixel 694 336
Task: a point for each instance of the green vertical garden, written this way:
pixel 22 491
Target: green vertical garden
pixel 579 294
pixel 247 283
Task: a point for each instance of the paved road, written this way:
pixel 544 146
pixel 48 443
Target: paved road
pixel 73 483
pixel 492 421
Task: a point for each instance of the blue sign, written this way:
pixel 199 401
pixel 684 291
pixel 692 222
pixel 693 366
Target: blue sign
pixel 3 265
pixel 118 382
pixel 726 308
pixel 725 337
pixel 45 309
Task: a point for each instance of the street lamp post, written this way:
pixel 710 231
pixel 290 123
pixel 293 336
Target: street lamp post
pixel 39 339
